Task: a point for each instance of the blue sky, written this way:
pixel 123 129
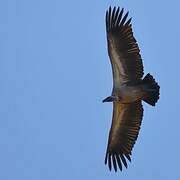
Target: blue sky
pixel 54 73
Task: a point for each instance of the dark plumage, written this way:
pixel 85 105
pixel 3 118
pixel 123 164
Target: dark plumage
pixel 129 89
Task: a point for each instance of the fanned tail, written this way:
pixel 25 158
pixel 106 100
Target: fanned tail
pixel 152 89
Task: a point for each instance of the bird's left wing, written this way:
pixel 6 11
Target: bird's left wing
pixel 123 134
pixel 123 49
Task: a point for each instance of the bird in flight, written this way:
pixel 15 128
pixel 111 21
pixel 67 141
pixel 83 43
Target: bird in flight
pixel 129 88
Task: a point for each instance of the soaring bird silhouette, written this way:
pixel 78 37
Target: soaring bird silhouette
pixel 129 89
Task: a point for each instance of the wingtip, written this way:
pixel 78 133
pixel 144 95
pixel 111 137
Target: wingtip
pixel 114 9
pixel 105 161
pixel 114 17
pixel 109 162
pixel 124 161
pixel 114 162
pixel 124 18
pixel 110 9
pixel 119 162
pixel 122 10
pixel 129 21
pixel 128 157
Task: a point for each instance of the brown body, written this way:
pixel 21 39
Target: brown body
pixel 130 93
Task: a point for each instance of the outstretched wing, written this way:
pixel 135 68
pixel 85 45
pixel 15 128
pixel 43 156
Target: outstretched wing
pixel 122 48
pixel 123 134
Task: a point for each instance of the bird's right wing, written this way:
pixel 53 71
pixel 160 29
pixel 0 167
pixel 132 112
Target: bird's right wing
pixel 123 133
pixel 123 49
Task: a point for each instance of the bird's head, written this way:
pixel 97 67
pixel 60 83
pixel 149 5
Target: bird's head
pixel 111 99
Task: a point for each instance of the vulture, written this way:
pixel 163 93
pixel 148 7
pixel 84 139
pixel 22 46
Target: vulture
pixel 129 88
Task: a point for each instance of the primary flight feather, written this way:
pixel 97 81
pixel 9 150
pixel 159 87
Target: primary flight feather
pixel 129 89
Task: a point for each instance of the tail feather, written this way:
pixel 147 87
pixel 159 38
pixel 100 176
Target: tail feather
pixel 152 90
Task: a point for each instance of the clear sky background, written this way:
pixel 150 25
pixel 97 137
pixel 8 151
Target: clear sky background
pixel 54 73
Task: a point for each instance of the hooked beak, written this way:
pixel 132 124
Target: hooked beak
pixel 109 99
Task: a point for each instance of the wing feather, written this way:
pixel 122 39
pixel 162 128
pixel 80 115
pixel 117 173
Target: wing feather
pixel 123 49
pixel 123 133
pixel 119 17
pixel 119 162
pixel 115 17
